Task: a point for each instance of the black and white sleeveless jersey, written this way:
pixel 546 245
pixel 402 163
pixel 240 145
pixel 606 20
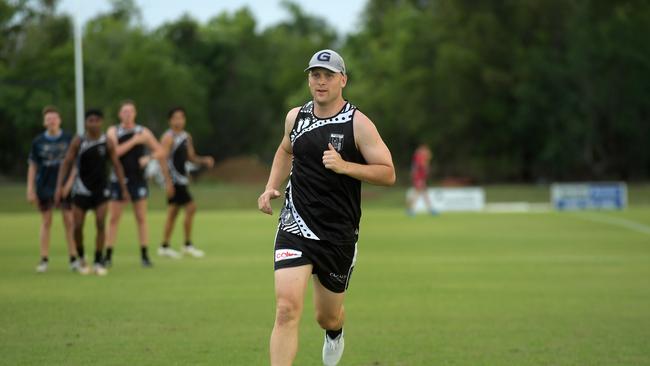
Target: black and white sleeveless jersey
pixel 133 173
pixel 92 177
pixel 178 157
pixel 319 203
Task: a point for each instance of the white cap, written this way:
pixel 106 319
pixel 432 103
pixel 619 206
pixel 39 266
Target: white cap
pixel 327 59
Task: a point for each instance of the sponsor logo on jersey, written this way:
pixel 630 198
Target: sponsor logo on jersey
pixel 282 254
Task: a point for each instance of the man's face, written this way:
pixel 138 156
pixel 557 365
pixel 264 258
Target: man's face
pixel 52 121
pixel 177 120
pixel 127 113
pixel 325 85
pixel 94 124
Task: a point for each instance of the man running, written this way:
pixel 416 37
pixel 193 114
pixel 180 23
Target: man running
pixel 90 191
pixel 179 149
pixel 46 154
pixel 131 141
pixel 328 149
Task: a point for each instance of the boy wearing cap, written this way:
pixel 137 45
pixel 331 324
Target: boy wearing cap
pixel 328 149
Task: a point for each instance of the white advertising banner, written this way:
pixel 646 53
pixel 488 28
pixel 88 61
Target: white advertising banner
pixel 451 199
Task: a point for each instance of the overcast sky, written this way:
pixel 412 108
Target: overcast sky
pixel 344 15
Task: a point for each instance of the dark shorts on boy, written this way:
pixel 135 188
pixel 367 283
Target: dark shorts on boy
pixel 332 263
pixel 137 191
pixel 92 201
pixel 47 203
pixel 181 195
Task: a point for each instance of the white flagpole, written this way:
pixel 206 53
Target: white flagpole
pixel 79 74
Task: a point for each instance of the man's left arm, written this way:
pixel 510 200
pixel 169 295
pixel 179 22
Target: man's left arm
pixel 379 169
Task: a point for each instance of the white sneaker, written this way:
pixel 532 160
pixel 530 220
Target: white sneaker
pixel 168 252
pixel 99 269
pixel 79 267
pixel 192 251
pixel 333 350
pixel 42 267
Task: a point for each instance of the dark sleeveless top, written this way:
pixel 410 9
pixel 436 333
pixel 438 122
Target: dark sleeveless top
pixel 319 203
pixel 92 175
pixel 130 161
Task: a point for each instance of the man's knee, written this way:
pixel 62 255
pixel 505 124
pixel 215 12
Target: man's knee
pixel 287 312
pixel 78 228
pixel 329 321
pixel 190 208
pixel 115 218
pixel 47 222
pixel 140 218
pixel 100 225
pixel 172 213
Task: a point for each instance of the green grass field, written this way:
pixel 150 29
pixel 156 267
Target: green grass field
pixel 458 289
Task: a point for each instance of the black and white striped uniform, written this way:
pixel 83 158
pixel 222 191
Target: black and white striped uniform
pixel 319 223
pixel 136 182
pixel 178 157
pixel 90 187
pixel 176 163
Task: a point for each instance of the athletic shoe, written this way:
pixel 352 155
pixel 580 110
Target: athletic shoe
pixel 168 252
pixel 42 267
pixel 79 267
pixel 74 266
pixel 99 269
pixel 108 263
pixel 333 350
pixel 192 251
pixel 146 263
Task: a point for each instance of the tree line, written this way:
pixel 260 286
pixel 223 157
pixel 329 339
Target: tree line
pixel 525 91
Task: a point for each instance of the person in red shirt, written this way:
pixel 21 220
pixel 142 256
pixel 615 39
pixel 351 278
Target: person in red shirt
pixel 419 173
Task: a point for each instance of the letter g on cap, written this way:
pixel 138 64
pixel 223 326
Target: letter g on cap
pixel 324 56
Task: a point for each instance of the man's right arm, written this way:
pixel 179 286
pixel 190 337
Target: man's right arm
pixel 127 145
pixel 281 166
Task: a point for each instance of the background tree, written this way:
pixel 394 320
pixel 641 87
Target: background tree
pixel 528 91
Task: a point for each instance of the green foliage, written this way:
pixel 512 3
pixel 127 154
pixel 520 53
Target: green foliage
pixel 35 47
pixel 510 90
pixel 501 90
pixel 124 62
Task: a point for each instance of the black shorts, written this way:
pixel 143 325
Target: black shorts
pixel 332 263
pixel 181 196
pixel 91 202
pixel 137 191
pixel 47 203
